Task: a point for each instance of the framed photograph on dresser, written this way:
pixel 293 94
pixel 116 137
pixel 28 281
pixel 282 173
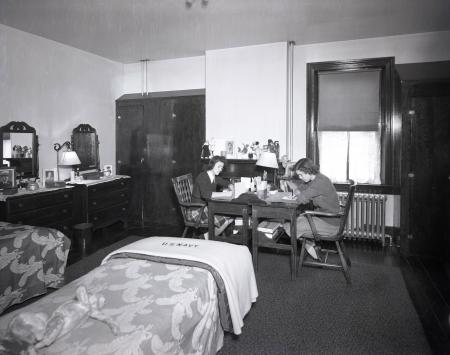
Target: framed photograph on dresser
pixel 7 178
pixel 49 177
pixel 107 170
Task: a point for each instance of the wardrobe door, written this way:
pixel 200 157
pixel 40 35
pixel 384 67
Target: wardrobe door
pixel 129 152
pixel 174 134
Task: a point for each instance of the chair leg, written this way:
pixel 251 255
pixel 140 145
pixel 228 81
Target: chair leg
pixel 184 232
pixel 347 259
pixel 302 256
pixel 344 263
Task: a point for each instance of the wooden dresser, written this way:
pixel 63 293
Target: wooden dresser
pixel 103 202
pixel 44 207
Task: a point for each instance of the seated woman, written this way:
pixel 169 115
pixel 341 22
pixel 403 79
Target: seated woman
pixel 205 184
pixel 319 190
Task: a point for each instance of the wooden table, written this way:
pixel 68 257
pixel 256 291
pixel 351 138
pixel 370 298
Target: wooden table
pixel 271 208
pixel 283 211
pixel 229 207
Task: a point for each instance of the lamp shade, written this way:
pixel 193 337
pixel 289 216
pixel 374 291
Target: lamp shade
pixel 268 160
pixel 69 158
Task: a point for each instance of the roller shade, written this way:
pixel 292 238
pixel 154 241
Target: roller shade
pixel 349 101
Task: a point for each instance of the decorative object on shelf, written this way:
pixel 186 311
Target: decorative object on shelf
pixel 256 149
pixel 229 146
pixel 288 167
pixel 107 170
pixel 68 158
pixel 7 178
pixel 268 160
pixel 205 151
pixel 32 186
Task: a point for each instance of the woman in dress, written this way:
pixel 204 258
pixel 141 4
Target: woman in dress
pixel 205 184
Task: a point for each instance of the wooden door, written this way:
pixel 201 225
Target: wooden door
pixel 129 153
pixel 174 134
pixel 426 168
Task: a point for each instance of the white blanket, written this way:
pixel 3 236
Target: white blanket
pixel 232 262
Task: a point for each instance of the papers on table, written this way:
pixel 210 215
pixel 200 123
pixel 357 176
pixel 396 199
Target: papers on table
pixel 223 194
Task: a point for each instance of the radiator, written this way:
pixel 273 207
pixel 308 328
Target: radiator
pixel 366 219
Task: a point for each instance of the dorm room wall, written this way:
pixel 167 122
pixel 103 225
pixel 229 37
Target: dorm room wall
pixel 54 88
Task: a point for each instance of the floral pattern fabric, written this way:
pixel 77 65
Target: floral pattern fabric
pixel 31 260
pixel 159 309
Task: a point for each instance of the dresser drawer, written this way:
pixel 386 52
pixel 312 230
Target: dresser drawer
pixel 104 217
pixel 43 216
pixel 107 198
pixel 107 187
pixel 33 202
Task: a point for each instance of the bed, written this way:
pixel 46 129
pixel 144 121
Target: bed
pixel 32 259
pixel 166 295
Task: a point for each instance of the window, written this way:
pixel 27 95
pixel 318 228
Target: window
pixel 349 120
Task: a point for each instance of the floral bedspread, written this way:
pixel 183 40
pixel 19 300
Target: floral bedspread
pixel 31 260
pixel 159 309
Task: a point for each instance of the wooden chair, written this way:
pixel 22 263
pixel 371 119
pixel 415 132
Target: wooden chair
pixel 336 239
pixel 183 186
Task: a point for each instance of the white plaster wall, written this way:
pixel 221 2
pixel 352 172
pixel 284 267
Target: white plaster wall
pixel 54 88
pixel 246 94
pixel 412 48
pixel 165 75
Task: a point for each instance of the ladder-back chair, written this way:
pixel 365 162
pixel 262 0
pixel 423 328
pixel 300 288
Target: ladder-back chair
pixel 183 186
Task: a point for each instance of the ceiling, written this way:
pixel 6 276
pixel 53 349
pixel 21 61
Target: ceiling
pixel 129 30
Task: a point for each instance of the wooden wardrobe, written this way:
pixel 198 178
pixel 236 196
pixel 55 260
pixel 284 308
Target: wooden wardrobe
pixel 158 136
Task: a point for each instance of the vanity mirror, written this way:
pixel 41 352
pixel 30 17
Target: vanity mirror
pixel 85 144
pixel 19 148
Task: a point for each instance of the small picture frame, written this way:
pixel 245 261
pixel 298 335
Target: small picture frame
pixel 49 177
pixel 229 148
pixel 7 178
pixel 107 170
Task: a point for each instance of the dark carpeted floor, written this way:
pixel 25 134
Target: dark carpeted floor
pixel 317 313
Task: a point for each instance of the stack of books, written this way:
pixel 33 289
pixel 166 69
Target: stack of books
pixel 271 229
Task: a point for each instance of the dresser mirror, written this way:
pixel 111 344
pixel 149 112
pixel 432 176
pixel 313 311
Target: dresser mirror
pixel 85 143
pixel 19 149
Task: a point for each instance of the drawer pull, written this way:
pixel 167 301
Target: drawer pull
pixel 122 195
pixel 124 209
pixel 94 203
pixel 64 210
pixel 95 218
pixel 19 222
pixel 66 196
pixel 20 204
pixel 65 228
pixel 94 190
pixel 122 183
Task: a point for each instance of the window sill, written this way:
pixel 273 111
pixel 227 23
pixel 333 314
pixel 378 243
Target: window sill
pixel 372 189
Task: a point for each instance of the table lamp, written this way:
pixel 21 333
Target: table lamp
pixel 268 160
pixel 68 158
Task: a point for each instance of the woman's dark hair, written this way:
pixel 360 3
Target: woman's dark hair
pixel 307 166
pixel 215 159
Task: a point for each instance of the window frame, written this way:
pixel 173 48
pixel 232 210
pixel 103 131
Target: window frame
pixel 390 137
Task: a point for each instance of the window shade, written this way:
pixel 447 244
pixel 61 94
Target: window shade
pixel 349 101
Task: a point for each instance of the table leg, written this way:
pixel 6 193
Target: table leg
pixel 255 239
pixel 211 223
pixel 293 245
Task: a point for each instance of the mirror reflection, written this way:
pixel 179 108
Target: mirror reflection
pixel 19 148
